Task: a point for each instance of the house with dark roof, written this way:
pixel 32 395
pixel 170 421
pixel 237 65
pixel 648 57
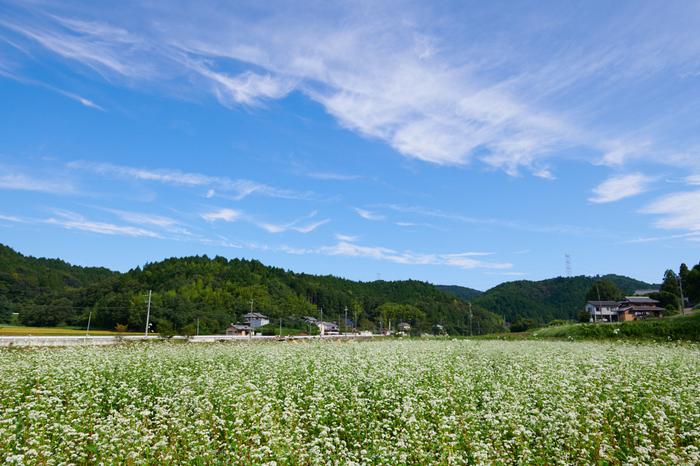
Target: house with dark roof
pixel 605 311
pixel 255 319
pixel 629 309
pixel 327 328
pixel 639 307
pixel 239 330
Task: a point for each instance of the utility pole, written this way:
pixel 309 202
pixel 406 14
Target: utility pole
pixel 680 287
pixel 280 326
pixel 87 334
pixel 250 334
pixel 471 327
pixel 600 306
pixel 197 326
pixel 479 325
pixel 346 321
pixel 323 326
pixel 148 312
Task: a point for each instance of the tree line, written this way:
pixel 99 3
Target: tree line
pixel 217 292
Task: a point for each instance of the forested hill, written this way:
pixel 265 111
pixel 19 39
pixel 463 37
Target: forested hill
pixel 460 291
pixel 219 291
pixel 22 277
pixel 546 300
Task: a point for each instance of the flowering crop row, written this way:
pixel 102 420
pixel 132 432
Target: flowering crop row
pixel 394 402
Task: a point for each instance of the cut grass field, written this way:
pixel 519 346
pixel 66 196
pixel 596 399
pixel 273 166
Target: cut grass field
pixel 6 330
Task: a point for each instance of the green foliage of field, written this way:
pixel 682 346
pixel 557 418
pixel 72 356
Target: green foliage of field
pixel 686 328
pixel 390 402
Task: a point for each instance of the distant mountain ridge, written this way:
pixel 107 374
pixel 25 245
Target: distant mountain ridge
pixel 216 292
pixel 220 290
pixel 546 300
pixel 460 291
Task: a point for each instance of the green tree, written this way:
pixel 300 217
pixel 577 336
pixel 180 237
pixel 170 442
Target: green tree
pixel 670 283
pixel 521 324
pixel 5 310
pixel 691 284
pixel 608 291
pixel 58 311
pixel 165 329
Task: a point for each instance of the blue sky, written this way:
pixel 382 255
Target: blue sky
pixel 466 143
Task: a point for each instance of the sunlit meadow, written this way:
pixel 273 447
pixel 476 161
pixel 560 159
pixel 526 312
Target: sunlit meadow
pixel 391 402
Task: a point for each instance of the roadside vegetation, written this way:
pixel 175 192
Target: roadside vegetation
pixel 670 328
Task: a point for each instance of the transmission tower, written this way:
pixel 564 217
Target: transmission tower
pixel 568 265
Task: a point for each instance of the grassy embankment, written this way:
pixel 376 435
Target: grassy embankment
pixel 670 328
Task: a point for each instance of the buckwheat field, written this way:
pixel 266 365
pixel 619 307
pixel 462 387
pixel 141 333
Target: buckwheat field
pixel 385 402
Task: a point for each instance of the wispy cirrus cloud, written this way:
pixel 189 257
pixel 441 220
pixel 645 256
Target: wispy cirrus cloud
pixel 272 228
pixel 506 100
pixel 620 187
pixel 573 230
pixel 678 211
pixel 231 215
pixel 74 221
pixel 227 215
pixel 82 100
pixel 348 238
pixel 462 260
pixel 243 188
pixel 20 181
pixel 368 215
pixel 12 219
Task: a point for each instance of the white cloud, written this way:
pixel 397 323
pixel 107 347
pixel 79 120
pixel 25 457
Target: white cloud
pixel 247 88
pixel 27 183
pixel 392 79
pixel 271 228
pixel 243 188
pixel 693 180
pixel 679 211
pixel 343 248
pixel 145 219
pixel 75 221
pixel 11 219
pixel 368 215
pixel 690 236
pixel 620 187
pixel 228 215
pixel 437 85
pixel 346 237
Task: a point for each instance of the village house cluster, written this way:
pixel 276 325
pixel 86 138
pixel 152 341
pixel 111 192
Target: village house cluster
pixel 630 308
pixel 254 320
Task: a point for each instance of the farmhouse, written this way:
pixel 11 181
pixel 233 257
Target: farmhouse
pixel 630 308
pixel 328 328
pixel 639 307
pixel 239 330
pixel 605 311
pixel 256 320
